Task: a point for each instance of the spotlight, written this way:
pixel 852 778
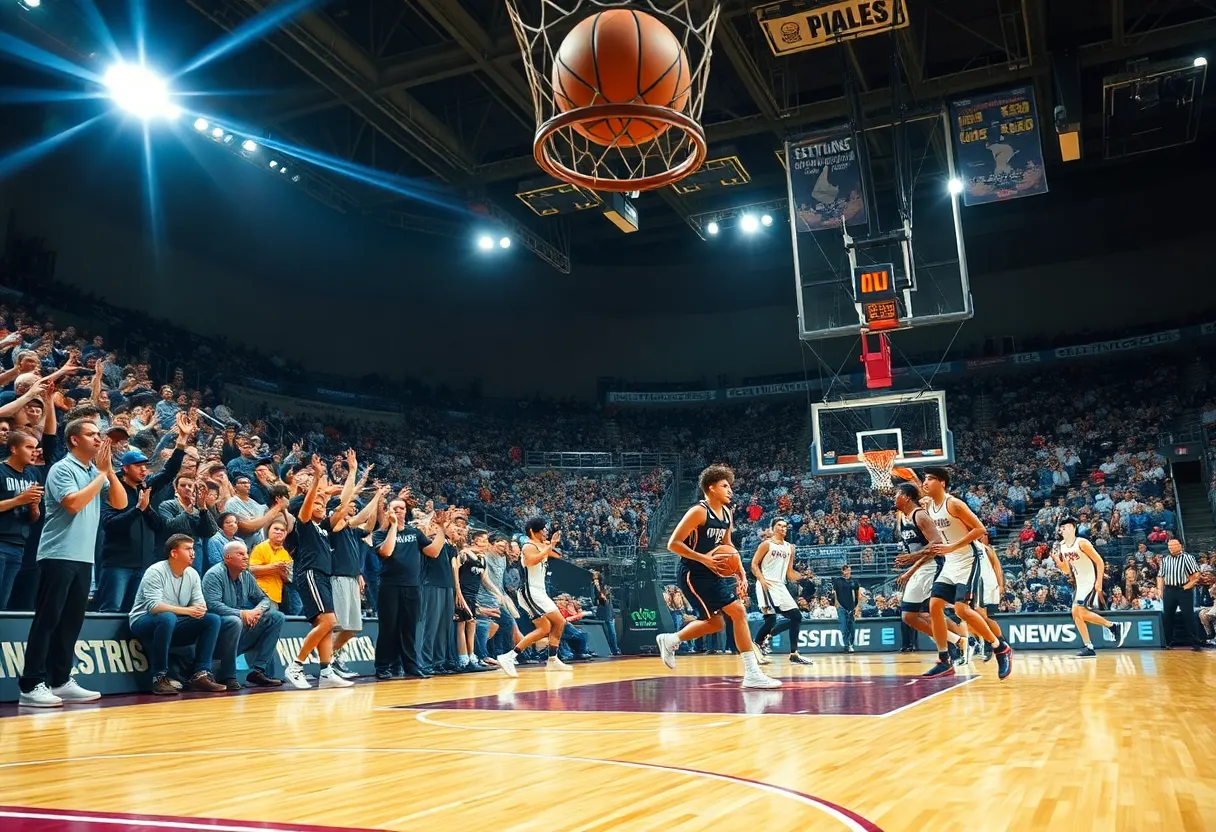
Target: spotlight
pixel 954 186
pixel 138 90
pixel 283 169
pixel 766 220
pixel 200 124
pixel 29 4
pixel 295 177
pixel 1201 61
pixel 505 242
pixel 273 163
pixel 217 132
pixel 712 227
pixel 749 224
pixel 249 146
pixel 228 138
pixel 485 242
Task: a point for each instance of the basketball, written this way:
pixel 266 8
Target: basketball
pixel 620 56
pixel 733 566
pixel 905 474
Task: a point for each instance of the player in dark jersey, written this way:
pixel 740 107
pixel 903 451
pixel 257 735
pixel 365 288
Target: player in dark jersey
pixel 313 565
pixel 703 541
pixel 917 531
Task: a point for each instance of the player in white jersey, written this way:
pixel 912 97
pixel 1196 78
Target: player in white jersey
pixel 916 531
pixel 958 581
pixel 534 600
pixel 773 568
pixel 1078 556
pixel 992 583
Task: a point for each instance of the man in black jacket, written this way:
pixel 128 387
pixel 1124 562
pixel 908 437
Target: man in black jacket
pixel 129 547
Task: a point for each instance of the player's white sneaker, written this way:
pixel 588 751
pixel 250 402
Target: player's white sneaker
pixel 759 680
pixel 329 679
pixel 760 657
pixel 557 664
pixel 506 663
pixel 296 678
pixel 668 642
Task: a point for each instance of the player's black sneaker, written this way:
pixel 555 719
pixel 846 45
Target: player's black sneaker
pixel 987 651
pixel 1087 653
pixel 1119 631
pixel 1004 661
pixel 956 655
pixel 944 667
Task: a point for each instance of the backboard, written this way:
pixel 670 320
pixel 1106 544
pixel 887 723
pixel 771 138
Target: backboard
pixel 848 211
pixel 912 424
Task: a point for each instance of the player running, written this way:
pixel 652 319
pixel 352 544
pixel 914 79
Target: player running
pixel 706 577
pixel 1078 556
pixel 773 568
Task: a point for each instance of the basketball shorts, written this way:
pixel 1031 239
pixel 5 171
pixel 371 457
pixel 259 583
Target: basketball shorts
pixel 959 578
pixel 535 604
pixel 708 593
pixel 915 597
pixel 347 607
pixel 1087 595
pixel 776 598
pixel 316 592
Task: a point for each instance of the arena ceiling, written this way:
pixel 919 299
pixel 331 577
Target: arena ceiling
pixel 433 90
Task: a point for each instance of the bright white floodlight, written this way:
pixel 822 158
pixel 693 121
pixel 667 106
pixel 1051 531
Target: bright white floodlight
pixel 139 91
pixel 955 186
pixel 749 223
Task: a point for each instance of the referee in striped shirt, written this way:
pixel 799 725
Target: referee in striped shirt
pixel 1175 584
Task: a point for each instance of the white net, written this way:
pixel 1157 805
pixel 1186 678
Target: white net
pixel 879 464
pixel 616 160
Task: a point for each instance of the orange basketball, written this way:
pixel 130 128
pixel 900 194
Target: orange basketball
pixel 733 566
pixel 905 474
pixel 620 56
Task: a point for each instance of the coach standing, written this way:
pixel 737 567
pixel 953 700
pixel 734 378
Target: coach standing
pixel 74 490
pixel 1176 581
pixel 848 604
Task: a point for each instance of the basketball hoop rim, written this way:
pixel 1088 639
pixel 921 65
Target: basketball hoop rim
pixel 641 112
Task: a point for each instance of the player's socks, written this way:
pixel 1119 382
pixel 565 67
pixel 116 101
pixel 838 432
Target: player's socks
pixel 462 660
pixel 750 664
pixel 324 666
pixel 953 637
pixel 552 652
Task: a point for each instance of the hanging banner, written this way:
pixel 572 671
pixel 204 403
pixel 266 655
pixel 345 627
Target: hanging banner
pixel 825 182
pixel 797 25
pixel 997 148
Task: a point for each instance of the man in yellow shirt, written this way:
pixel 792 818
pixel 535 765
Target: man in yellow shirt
pixel 270 563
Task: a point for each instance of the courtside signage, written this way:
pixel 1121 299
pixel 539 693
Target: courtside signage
pixel 796 26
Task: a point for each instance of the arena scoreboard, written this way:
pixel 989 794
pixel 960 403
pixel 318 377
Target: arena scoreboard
pixel 874 291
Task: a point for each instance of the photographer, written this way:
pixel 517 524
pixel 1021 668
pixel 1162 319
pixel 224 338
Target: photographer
pixel 602 593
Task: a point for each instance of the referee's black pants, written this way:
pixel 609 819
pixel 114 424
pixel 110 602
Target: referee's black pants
pixel 399 608
pixel 1184 601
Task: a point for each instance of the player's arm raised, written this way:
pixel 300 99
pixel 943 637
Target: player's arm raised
pixel 692 518
pixel 757 560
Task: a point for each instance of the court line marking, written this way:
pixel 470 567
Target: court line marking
pixel 423 716
pixel 968 680
pixel 145 820
pixel 852 821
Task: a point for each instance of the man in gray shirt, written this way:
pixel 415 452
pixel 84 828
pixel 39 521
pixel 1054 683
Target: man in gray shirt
pixel 169 612
pixel 248 620
pixel 75 488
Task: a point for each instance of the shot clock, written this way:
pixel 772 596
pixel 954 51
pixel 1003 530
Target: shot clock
pixel 874 290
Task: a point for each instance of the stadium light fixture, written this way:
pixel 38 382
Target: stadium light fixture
pixel 273 164
pixel 766 220
pixel 295 177
pixel 200 124
pixel 217 132
pixel 29 4
pixel 954 186
pixel 712 227
pixel 249 146
pixel 1201 61
pixel 749 223
pixel 504 242
pixel 283 169
pixel 140 91
pixel 228 137
pixel 485 242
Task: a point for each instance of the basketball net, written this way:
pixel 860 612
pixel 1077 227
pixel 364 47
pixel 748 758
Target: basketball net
pixel 616 163
pixel 879 464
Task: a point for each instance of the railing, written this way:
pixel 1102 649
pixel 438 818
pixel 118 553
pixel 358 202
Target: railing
pixel 657 522
pixel 601 460
pixel 604 556
pixel 876 559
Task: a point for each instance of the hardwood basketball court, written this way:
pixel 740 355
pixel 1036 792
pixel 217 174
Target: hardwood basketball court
pixel 853 743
